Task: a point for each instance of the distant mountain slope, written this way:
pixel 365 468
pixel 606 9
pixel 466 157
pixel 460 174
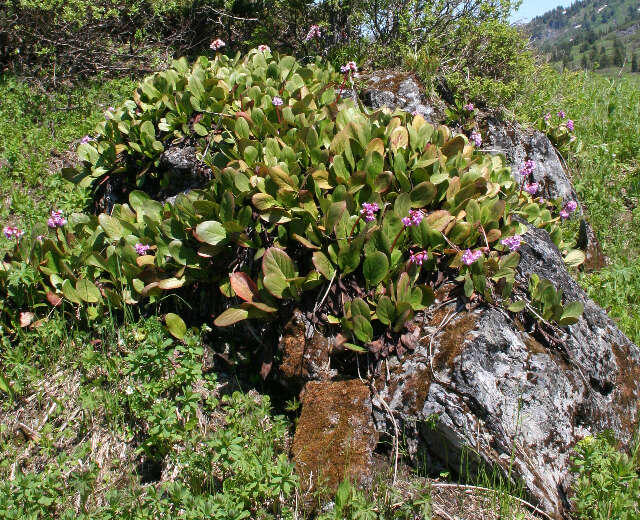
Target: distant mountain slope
pixel 590 34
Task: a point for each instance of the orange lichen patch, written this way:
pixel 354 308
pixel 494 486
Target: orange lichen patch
pixel 450 341
pixel 301 356
pixel 335 436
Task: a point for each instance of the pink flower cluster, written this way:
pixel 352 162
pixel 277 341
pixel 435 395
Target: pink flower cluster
pixel 418 258
pixel 414 218
pixel 217 44
pixel 349 67
pixel 369 210
pixel 277 101
pixel 12 232
pixel 547 116
pixel 562 114
pixel 513 243
pixel 570 125
pixel 142 249
pixel 531 188
pixel 469 107
pixel 568 209
pixel 527 168
pixel 314 32
pixel 86 139
pixel 476 138
pixel 469 257
pixel 263 48
pixel 56 219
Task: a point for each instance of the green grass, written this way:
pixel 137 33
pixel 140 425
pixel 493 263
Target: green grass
pixel 37 129
pixel 606 175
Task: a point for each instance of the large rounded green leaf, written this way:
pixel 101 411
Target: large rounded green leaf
pixel 87 291
pixel 210 232
pixel 375 268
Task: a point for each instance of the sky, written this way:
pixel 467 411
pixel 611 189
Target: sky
pixel 532 8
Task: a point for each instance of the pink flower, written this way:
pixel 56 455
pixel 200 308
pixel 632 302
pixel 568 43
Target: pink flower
pixel 547 116
pixel 532 188
pixel 570 125
pixel 469 257
pixel 476 138
pixel 217 44
pixel 527 168
pixel 369 210
pixel 12 232
pixel 56 220
pixel 469 107
pixel 86 139
pixel 418 258
pixel 349 67
pixel 414 218
pixel 277 101
pixel 562 114
pixel 263 48
pixel 142 249
pixel 513 243
pixel 314 32
pixel 568 209
pixel 9 231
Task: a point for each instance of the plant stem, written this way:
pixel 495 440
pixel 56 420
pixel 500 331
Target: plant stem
pixel 354 227
pixel 396 240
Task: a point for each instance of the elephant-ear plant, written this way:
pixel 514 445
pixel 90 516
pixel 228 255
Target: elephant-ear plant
pixel 308 193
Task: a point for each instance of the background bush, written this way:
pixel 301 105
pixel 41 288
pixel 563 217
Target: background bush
pixel 468 42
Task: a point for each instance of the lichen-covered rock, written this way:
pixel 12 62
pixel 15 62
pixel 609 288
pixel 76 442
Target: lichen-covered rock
pixel 335 436
pixel 519 145
pixel 481 384
pixel 397 90
pixel 305 355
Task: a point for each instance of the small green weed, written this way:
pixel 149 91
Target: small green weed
pixel 607 483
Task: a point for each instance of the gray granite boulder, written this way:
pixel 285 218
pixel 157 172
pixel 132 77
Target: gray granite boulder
pixel 495 391
pixel 397 90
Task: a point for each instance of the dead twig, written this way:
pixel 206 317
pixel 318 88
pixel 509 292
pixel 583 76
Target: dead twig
pixel 529 505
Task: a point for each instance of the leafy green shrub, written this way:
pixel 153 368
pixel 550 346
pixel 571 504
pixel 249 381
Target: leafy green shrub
pixel 307 188
pixel 607 484
pixel 494 66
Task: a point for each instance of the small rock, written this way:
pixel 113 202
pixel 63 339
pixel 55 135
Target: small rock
pixel 335 436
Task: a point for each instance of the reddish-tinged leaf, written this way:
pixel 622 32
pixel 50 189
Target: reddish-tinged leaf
pixel 54 299
pixel 243 286
pixel 26 318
